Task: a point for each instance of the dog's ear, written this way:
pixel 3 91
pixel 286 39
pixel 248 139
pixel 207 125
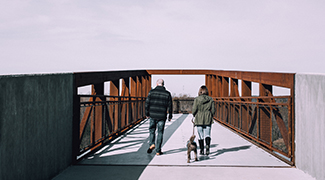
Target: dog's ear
pixel 192 137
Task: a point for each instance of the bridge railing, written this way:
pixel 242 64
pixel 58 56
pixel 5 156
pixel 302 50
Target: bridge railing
pixel 104 117
pixel 116 104
pixel 182 105
pixel 265 117
pixel 265 120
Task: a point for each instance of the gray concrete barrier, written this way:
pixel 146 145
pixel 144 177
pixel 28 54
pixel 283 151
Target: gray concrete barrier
pixel 36 113
pixel 310 124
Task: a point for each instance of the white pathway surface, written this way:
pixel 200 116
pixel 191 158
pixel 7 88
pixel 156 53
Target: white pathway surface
pixel 231 157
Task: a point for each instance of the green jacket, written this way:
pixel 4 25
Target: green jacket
pixel 203 110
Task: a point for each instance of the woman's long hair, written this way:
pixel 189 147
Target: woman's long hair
pixel 203 90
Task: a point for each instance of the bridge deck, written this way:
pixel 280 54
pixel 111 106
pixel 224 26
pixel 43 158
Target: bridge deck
pixel 232 157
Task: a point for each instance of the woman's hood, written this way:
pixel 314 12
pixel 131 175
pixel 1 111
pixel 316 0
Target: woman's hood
pixel 204 99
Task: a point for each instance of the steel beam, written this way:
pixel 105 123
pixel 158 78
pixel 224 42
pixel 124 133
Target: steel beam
pixel 88 78
pixel 134 94
pixel 97 119
pixel 114 109
pixel 276 79
pixel 245 115
pixel 265 117
pixel 125 106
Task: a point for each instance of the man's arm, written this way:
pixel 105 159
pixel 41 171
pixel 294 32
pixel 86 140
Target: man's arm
pixel 170 108
pixel 147 106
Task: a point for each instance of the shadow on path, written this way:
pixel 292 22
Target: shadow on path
pixel 125 165
pixel 173 151
pixel 169 131
pixel 225 150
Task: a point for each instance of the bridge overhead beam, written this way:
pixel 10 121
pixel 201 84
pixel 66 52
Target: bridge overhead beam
pixel 178 72
pixel 87 78
pixel 276 79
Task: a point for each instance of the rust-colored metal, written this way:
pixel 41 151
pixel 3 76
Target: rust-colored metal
pixel 265 115
pixel 133 99
pixel 218 86
pixel 275 79
pixel 125 107
pixel 106 116
pixel 234 92
pixel 139 89
pixel 113 109
pixel 253 124
pixel 225 87
pixel 213 86
pixel 208 83
pixel 97 120
pixel 144 93
pixel 178 72
pixel 84 119
pixel 246 117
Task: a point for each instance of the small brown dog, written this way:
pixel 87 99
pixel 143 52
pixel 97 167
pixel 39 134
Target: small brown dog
pixel 191 146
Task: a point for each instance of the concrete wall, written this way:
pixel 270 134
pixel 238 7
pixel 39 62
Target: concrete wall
pixel 36 113
pixel 310 124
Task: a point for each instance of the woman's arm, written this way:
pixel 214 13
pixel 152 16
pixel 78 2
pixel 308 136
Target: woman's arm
pixel 194 108
pixel 213 110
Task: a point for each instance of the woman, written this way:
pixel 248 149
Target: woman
pixel 203 111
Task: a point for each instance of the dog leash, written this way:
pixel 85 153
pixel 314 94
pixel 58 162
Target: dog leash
pixel 193 125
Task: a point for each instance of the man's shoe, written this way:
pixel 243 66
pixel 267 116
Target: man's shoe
pixel 152 147
pixel 159 153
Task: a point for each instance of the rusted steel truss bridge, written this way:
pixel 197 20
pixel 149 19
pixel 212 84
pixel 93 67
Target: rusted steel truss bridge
pixel 264 119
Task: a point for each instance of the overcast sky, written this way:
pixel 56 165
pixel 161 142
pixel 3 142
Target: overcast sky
pixel 51 36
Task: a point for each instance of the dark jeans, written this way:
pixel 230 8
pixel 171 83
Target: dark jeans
pixel 160 126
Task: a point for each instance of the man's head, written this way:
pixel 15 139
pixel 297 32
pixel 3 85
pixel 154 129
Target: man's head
pixel 160 82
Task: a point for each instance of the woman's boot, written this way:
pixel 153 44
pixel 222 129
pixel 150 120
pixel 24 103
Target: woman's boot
pixel 201 143
pixel 207 142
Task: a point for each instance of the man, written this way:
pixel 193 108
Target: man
pixel 158 102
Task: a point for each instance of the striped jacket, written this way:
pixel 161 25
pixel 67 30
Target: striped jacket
pixel 158 102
